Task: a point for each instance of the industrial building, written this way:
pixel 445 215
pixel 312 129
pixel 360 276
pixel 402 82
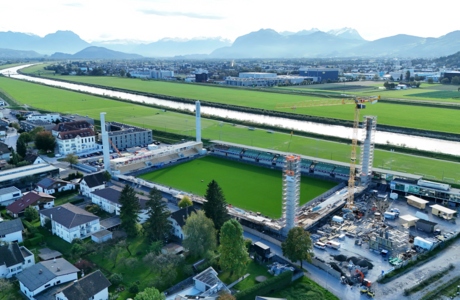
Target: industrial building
pixel 263 79
pixel 16 177
pixel 126 136
pixel 152 74
pixel 323 74
pixel 29 125
pixel 201 75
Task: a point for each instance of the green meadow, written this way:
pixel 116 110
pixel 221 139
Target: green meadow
pixel 58 100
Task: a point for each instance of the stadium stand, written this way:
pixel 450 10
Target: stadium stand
pixel 266 158
pixel 323 168
pixel 342 172
pixel 250 155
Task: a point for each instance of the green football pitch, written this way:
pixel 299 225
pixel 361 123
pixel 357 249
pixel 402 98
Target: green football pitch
pixel 246 186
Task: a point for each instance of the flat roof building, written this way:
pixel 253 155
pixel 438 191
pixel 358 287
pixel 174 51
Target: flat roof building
pixel 127 136
pixel 12 177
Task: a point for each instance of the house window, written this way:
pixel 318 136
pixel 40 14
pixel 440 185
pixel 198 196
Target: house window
pixel 48 285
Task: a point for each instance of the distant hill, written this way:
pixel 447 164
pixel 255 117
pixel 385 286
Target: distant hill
pixel 96 53
pixel 60 41
pixel 9 53
pixel 449 61
pixel 172 47
pixel 346 33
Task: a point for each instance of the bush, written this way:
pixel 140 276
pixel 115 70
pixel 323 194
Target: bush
pixel 32 229
pixel 267 287
pixel 76 201
pixel 134 289
pixel 35 241
pixel 116 278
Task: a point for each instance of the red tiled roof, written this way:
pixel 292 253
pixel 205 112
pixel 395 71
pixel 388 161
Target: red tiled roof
pixel 31 198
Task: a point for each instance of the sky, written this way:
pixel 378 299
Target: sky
pixel 152 20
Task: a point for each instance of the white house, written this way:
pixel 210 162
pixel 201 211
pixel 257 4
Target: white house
pixel 92 286
pixel 74 137
pixel 34 159
pixel 109 200
pixel 44 275
pixel 14 259
pixel 9 195
pixel 70 222
pixel 50 186
pixel 11 231
pixel 178 219
pixel 91 183
pixel 44 117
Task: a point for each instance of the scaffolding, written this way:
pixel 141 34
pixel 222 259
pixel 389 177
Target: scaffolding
pixel 291 191
pixel 367 148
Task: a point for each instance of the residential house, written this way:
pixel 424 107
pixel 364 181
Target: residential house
pixel 9 195
pixel 178 219
pixel 109 200
pixel 5 152
pixel 44 275
pixel 14 259
pixel 11 231
pixel 91 183
pixel 70 222
pixel 74 137
pixel 92 286
pixel 207 285
pixel 34 159
pixel 35 199
pixel 50 186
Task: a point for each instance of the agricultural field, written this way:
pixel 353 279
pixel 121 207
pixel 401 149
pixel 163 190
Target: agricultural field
pixel 400 115
pixel 62 101
pixel 245 186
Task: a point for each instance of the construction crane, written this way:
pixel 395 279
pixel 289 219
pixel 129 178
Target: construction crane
pixel 359 103
pixel 115 147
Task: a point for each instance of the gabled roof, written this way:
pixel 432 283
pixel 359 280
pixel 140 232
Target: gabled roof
pixel 4 148
pixel 8 227
pixel 49 182
pixel 10 255
pixel 30 198
pixel 41 273
pixel 94 180
pixel 67 135
pixel 30 158
pixel 70 126
pixel 181 215
pixel 86 287
pixel 69 215
pixel 113 194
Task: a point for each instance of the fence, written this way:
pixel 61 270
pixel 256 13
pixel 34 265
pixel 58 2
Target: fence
pixel 262 235
pixel 325 267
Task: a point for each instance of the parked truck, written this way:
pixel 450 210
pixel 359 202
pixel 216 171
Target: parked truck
pixel 390 215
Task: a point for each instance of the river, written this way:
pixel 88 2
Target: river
pixel 381 137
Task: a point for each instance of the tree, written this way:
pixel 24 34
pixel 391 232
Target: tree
pixel 25 137
pixel 116 278
pixel 15 158
pixel 150 294
pixel 6 289
pixel 455 80
pixel 15 125
pixel 107 176
pixel 200 234
pixel 298 245
pixel 233 254
pixel 72 159
pixel 157 227
pixel 30 214
pixel 129 210
pixel 165 266
pixel 185 202
pixel 215 207
pixel 226 296
pixel 33 133
pixel 21 147
pixel 45 141
pixel 445 80
pixel 122 73
pixel 430 80
pixel 407 77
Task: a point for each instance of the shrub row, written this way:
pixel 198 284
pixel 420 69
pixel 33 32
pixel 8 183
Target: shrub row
pixel 32 229
pixel 76 201
pixel 35 241
pixel 267 287
pixel 424 283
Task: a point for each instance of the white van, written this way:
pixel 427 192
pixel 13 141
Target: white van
pixel 332 244
pixel 319 245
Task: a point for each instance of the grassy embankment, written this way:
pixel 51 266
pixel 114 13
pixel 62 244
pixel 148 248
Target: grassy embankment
pixel 53 99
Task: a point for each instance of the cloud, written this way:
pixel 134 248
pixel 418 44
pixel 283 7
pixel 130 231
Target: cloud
pixel 73 4
pixel 180 14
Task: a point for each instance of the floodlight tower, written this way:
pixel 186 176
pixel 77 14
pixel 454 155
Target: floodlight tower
pixel 367 148
pixel 291 191
pixel 105 143
pixel 198 121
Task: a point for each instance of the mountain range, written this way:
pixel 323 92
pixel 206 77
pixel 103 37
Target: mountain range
pixel 264 43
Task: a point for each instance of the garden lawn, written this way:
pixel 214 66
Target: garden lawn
pixel 304 289
pixel 62 101
pixel 254 269
pixel 402 115
pixel 245 186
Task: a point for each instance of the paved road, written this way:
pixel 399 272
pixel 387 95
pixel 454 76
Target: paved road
pixel 319 276
pixel 11 138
